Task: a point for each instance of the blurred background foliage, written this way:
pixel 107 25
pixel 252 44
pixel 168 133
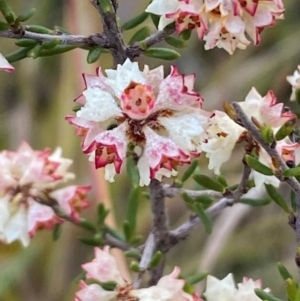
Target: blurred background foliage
pixel 36 98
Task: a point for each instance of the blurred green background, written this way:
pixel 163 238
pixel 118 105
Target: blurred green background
pixel 39 94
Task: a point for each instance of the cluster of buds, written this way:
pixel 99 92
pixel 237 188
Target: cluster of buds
pixel 104 269
pixel 221 23
pixel 29 198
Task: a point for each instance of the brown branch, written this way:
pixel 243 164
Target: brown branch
pixel 112 32
pixel 170 192
pixel 99 40
pixel 139 47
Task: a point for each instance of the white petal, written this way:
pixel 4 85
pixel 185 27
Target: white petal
pixel 99 107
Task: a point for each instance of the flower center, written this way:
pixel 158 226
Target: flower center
pixel 137 100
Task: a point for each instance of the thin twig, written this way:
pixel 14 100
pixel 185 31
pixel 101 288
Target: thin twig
pixel 170 192
pixel 139 47
pixel 99 40
pixel 183 231
pixel 148 252
pixel 291 181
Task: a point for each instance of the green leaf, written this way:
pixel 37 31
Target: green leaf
pixel 108 286
pixel 267 134
pixel 88 225
pixel 106 6
pixel 196 278
pixel 259 167
pixel 188 288
pixel 291 289
pixel 205 200
pixel 140 35
pixel 17 55
pixel 26 15
pixel 26 43
pixel 38 29
pixel 283 271
pixel 276 197
pixel 209 183
pixel 155 19
pixel 7 12
pixel 136 240
pixel 187 198
pixel 255 202
pixel 93 55
pixel 114 233
pixel 156 259
pixel 35 51
pixel 133 254
pixel 132 208
pixel 285 130
pixel 51 44
pixel 297 93
pixel 222 180
pixel 175 42
pixel 134 266
pixel 132 171
pixel 186 34
pixel 292 172
pixel 57 232
pixel 198 209
pixel 162 53
pixel 59 29
pixel 127 230
pixel 102 213
pixel 135 21
pixel 4 26
pixel 90 241
pixel 57 50
pixel 265 296
pixel 189 171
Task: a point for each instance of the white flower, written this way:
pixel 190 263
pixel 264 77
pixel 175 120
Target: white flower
pixel 219 139
pixel 225 289
pixel 104 269
pixel 294 80
pixel 140 109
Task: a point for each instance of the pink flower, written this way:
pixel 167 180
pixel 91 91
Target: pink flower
pixel 159 118
pixel 221 23
pixel 5 65
pixel 265 109
pixel 104 269
pixel 28 181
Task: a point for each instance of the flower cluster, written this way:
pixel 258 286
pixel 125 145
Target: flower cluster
pixel 5 65
pixel 221 23
pixel 28 193
pixel 294 80
pixel 104 269
pixel 222 133
pixel 225 289
pixel 128 110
